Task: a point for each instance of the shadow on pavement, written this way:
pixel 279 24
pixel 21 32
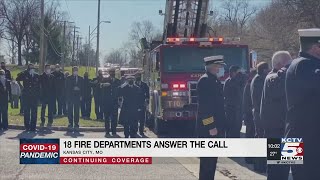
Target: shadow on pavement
pixel 74 134
pixel 25 135
pixel 43 132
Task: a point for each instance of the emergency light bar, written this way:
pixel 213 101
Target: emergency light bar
pixel 185 40
pixel 210 40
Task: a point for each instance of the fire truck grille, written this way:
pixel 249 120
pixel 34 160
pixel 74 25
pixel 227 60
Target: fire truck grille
pixel 193 97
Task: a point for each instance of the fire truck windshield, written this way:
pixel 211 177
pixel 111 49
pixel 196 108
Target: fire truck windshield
pixel 190 59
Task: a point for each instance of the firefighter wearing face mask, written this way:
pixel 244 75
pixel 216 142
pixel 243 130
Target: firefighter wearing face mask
pixel 59 82
pixel 74 88
pixel 111 109
pixel 97 94
pixel 46 90
pixel 233 91
pixel 31 91
pixel 130 94
pixel 211 114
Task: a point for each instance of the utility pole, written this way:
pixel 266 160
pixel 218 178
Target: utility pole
pixel 77 51
pixel 63 45
pixel 41 57
pixel 89 49
pixel 73 43
pixel 98 36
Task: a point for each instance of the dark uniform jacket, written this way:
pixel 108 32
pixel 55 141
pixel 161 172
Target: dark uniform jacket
pixel 211 106
pixel 97 89
pixel 233 91
pixel 247 102
pixel 273 107
pixel 115 86
pixel 5 92
pixel 59 82
pixel 130 105
pixel 71 85
pixel 303 102
pixel 144 93
pixel 87 88
pixel 256 88
pixel 47 87
pixel 31 84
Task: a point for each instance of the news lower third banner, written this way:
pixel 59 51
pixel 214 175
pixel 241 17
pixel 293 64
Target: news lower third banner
pixel 142 150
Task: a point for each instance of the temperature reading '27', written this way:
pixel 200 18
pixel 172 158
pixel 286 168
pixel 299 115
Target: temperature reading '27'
pixel 273 153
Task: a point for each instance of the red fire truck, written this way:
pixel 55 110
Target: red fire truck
pixel 174 69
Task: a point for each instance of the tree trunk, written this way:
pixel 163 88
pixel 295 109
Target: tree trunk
pixel 19 53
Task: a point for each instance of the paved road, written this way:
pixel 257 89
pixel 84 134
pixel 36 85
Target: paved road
pixel 162 168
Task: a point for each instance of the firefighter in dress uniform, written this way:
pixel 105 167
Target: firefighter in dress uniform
pixel 211 114
pixel 114 106
pixel 97 94
pixel 144 101
pixel 59 82
pixel 303 102
pixel 5 93
pixel 47 89
pixel 273 108
pixel 74 96
pixel 31 91
pixel 130 93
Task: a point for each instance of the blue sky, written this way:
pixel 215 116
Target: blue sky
pixel 121 13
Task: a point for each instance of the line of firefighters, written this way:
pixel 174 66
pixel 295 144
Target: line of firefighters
pixel 277 103
pixel 66 94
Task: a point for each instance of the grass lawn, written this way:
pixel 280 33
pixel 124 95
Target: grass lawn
pixel 16 119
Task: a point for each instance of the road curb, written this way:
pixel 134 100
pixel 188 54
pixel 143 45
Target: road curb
pixel 61 128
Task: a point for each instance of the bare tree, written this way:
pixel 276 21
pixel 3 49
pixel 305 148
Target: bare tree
pixel 306 11
pixel 116 56
pixel 17 15
pixel 274 28
pixel 236 14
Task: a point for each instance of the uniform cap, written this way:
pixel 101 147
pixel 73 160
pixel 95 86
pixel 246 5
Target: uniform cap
pixel 309 35
pixel 313 32
pixel 214 60
pixel 130 77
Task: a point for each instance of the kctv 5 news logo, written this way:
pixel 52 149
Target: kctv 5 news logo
pixel 285 151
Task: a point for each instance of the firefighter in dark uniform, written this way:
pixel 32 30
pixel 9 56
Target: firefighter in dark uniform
pixel 31 92
pixel 256 88
pixel 211 114
pixel 59 90
pixel 273 107
pixel 303 101
pixel 86 97
pixel 130 93
pixel 74 89
pixel 144 101
pixel 247 111
pixel 113 116
pixel 97 94
pixel 47 89
pixel 5 93
pixel 7 71
pixel 64 101
pixel 233 91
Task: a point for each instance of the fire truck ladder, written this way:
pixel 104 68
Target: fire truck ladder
pixel 185 18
